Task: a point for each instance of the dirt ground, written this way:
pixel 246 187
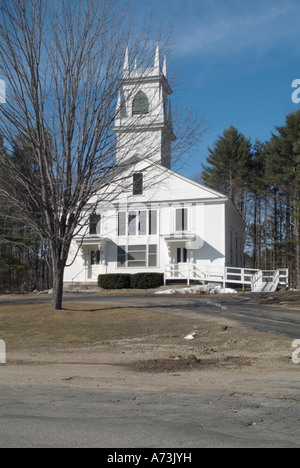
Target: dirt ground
pixel 93 346
pixel 285 299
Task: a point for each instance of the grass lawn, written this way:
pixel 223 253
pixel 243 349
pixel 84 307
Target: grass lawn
pixel 150 341
pixel 36 325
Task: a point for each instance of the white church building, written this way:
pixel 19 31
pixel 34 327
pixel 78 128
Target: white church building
pixel 161 222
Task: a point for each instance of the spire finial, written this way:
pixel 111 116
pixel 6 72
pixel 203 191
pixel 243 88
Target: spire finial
pixel 126 69
pixel 165 66
pixel 157 60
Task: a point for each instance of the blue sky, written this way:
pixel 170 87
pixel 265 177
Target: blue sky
pixel 236 60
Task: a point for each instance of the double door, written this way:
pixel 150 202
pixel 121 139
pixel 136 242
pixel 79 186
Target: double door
pixel 182 262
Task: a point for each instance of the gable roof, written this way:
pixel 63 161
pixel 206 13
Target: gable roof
pixel 170 174
pixel 197 184
pixel 213 194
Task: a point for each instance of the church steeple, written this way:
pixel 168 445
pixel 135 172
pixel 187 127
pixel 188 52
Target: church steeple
pixel 143 113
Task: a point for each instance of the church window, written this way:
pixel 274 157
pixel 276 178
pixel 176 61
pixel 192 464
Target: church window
pixel 122 256
pixel 181 219
pixel 137 256
pixel 138 184
pixel 152 256
pixel 140 104
pixel 95 224
pixel 132 223
pixel 142 223
pixel 137 223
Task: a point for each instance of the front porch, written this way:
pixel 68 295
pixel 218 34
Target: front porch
pixel 92 248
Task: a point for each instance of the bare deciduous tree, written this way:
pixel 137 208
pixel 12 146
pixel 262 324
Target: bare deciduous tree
pixel 63 61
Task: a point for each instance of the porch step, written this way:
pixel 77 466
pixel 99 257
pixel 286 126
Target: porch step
pixel 267 287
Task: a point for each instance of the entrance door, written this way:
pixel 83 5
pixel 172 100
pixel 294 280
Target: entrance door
pixel 182 255
pixel 94 264
pixel 182 262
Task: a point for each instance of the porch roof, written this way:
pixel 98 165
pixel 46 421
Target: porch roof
pixel 91 240
pixel 179 237
pixel 192 241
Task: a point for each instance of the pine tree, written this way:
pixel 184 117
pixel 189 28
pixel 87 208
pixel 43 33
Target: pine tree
pixel 284 171
pixel 228 166
pixel 24 262
pixel 12 270
pixel 258 189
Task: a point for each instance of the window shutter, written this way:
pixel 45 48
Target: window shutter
pixel 143 223
pixel 122 223
pixel 152 222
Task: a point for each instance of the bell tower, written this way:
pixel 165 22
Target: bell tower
pixel 143 124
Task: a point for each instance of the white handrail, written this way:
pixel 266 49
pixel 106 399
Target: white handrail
pixel 258 279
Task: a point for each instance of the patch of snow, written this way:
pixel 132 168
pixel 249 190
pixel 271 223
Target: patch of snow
pixel 190 337
pixel 169 291
pixel 206 289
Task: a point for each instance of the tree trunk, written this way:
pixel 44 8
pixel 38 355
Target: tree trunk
pixel 58 282
pixel 259 235
pixel 297 236
pixel 255 232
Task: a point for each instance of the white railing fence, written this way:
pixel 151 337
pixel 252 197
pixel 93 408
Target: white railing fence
pixel 259 280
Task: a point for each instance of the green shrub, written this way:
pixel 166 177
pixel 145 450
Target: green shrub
pixel 127 281
pixel 114 281
pixel 146 280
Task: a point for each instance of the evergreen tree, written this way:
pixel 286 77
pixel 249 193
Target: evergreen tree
pixel 24 257
pixel 258 189
pixel 12 270
pixel 228 166
pixel 268 177
pixel 284 171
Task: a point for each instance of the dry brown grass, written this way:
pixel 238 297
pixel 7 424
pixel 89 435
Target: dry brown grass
pixel 35 325
pixel 101 344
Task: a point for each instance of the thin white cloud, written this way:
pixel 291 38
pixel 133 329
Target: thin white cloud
pixel 230 30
